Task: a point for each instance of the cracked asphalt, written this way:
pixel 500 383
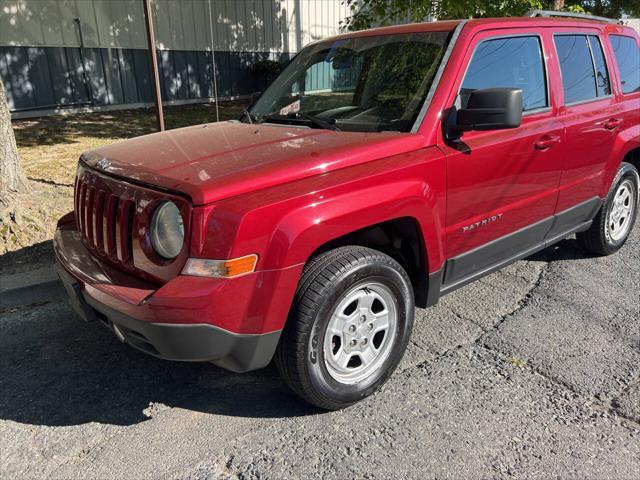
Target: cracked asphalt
pixel 532 372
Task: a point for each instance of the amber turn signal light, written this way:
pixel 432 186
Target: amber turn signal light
pixel 204 267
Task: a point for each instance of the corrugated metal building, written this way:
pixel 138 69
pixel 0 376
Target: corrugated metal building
pixel 75 53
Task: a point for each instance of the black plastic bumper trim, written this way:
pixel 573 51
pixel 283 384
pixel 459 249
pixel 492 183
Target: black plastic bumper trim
pixel 180 342
pixel 193 343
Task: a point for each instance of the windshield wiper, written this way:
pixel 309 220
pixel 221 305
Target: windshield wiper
pixel 249 116
pixel 319 122
pixel 313 120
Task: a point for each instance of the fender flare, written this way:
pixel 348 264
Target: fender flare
pixel 626 141
pixel 304 230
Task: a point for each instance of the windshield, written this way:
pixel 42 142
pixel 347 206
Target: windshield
pixel 367 84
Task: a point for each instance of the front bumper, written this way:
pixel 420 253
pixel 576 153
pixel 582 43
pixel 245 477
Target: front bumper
pixel 125 304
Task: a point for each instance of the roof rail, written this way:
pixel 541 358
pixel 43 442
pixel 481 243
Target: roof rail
pixel 555 13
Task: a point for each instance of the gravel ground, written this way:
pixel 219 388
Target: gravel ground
pixel 533 372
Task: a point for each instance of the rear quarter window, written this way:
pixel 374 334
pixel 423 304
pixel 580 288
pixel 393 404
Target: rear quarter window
pixel 627 55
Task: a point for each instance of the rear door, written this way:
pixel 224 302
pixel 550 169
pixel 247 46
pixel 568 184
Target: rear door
pixel 591 116
pixel 502 185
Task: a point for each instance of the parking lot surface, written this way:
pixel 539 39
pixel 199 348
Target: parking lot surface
pixel 532 372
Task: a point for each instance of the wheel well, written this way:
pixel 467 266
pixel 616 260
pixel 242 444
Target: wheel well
pixel 402 240
pixel 633 157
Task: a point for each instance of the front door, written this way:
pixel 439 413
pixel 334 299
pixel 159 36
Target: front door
pixel 502 185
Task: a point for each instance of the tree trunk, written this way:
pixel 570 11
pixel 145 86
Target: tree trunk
pixel 558 4
pixel 12 178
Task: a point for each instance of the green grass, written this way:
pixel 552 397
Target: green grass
pixel 50 146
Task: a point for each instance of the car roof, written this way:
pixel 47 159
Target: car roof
pixel 440 26
pixel 488 23
pixel 547 22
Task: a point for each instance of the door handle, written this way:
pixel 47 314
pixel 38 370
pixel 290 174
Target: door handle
pixel 612 123
pixel 546 142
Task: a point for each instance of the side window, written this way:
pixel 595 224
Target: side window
pixel 583 68
pixel 602 75
pixel 514 62
pixel 627 56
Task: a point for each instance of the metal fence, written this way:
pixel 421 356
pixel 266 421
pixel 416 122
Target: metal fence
pixel 72 53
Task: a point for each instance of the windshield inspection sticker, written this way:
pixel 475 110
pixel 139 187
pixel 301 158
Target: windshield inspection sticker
pixel 291 108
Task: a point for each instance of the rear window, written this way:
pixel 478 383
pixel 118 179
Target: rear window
pixel 582 79
pixel 627 54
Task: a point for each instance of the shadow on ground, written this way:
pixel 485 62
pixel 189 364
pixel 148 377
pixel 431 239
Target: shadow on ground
pixel 26 258
pixel 57 371
pixel 568 249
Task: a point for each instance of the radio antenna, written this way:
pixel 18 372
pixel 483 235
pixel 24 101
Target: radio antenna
pixel 213 60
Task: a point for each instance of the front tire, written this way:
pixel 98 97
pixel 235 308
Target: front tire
pixel 615 220
pixel 349 327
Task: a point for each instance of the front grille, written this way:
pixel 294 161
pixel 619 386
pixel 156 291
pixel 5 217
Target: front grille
pixel 113 215
pixel 104 219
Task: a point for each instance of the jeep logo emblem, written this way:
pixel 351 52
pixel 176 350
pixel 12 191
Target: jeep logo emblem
pixel 103 163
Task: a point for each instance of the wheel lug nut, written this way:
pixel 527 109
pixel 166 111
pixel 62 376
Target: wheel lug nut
pixel 371 326
pixel 352 328
pixel 363 318
pixel 364 341
pixel 354 342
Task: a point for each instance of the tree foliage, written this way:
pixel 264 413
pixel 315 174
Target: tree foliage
pixel 367 13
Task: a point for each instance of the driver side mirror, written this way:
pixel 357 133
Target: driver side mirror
pixel 489 109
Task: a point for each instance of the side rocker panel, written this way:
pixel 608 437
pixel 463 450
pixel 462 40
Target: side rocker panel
pixel 482 261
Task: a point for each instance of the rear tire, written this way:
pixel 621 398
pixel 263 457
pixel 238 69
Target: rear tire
pixel 348 328
pixel 614 222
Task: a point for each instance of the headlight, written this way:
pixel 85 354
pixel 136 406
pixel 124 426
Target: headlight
pixel 167 230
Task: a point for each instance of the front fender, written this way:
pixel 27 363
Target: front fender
pixel 333 205
pixel 305 229
pixel 284 225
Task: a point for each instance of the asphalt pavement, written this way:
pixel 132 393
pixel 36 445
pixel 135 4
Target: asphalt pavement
pixel 532 372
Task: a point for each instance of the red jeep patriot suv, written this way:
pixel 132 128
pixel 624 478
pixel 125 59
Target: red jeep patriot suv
pixel 380 170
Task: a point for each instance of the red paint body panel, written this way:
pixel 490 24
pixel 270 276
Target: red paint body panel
pixel 282 192
pixel 627 135
pixel 281 224
pixel 500 173
pixel 242 305
pixel 590 157
pixel 221 160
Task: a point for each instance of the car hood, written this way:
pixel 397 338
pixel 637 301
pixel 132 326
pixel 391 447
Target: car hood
pixel 219 160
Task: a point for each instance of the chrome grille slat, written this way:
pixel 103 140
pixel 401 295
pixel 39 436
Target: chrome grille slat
pixel 89 211
pixel 123 231
pixel 110 225
pixel 76 194
pixel 82 206
pixel 98 232
pixel 104 219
